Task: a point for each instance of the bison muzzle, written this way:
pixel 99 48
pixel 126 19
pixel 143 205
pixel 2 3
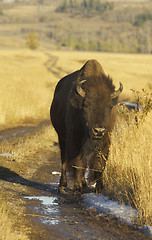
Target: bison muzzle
pixel 83 115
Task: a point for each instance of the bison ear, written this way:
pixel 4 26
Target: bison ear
pixel 117 93
pixel 79 89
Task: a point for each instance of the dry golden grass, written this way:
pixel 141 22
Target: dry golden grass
pixel 6 225
pixel 128 176
pixel 26 86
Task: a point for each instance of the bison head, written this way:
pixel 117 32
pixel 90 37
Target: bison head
pixel 99 98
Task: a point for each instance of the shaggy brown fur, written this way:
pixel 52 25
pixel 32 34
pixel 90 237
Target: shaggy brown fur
pixel 77 119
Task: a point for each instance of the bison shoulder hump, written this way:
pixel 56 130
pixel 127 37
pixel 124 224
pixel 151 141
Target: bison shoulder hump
pixel 92 68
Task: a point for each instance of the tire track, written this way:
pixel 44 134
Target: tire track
pixel 51 65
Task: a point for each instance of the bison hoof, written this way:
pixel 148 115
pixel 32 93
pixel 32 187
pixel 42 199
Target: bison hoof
pixel 62 189
pixel 81 190
pixel 98 189
pixel 77 191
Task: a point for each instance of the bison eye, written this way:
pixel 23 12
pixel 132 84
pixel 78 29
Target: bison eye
pixel 85 104
pixel 111 107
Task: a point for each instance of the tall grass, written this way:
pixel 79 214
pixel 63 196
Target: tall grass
pixel 128 176
pixel 26 86
pixel 6 225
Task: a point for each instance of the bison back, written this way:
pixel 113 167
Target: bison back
pixel 60 102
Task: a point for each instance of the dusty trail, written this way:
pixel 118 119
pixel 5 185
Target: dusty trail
pixel 51 66
pixel 52 215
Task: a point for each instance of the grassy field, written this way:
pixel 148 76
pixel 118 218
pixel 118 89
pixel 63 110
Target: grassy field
pixel 26 86
pixel 28 79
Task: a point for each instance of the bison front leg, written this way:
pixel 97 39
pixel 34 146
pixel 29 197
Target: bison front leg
pixel 99 174
pixel 79 176
pixel 99 183
pixel 80 182
pixel 96 168
pixel 63 179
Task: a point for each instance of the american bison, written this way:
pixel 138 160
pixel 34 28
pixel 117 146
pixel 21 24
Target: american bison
pixel 83 116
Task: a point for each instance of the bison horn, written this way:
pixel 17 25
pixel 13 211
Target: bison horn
pixel 117 93
pixel 80 91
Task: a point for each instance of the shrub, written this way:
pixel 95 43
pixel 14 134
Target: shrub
pixel 32 41
pixel 1 12
pixel 141 18
pixel 143 101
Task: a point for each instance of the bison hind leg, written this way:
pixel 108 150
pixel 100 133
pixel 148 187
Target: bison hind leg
pixel 63 179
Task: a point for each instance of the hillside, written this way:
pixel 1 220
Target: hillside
pixel 114 26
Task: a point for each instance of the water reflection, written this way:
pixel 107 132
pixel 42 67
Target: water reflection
pixel 6 154
pixel 48 210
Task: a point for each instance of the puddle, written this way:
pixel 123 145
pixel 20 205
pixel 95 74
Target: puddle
pixel 56 173
pixel 6 154
pixel 19 132
pixel 131 105
pixel 48 211
pixel 12 133
pixel 15 132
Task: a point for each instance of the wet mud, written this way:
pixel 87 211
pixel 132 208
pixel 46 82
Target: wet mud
pixel 47 214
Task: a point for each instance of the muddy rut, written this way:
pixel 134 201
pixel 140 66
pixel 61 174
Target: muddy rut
pixel 32 192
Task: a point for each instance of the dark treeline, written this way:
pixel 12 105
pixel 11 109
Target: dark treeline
pixel 84 7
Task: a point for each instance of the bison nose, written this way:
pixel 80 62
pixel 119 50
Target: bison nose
pixel 98 132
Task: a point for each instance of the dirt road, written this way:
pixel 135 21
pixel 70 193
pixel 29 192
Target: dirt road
pixel 46 214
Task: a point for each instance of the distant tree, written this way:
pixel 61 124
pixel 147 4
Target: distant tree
pixel 32 41
pixel 1 12
pixel 63 7
pixel 84 4
pixel 141 18
pixel 91 4
pixel 71 3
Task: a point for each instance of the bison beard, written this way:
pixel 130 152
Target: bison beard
pixel 83 116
